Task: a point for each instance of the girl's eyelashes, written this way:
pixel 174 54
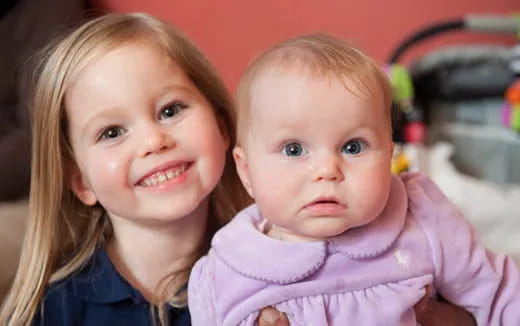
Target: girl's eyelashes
pixel 354 147
pixel 293 149
pixel 110 133
pixel 172 109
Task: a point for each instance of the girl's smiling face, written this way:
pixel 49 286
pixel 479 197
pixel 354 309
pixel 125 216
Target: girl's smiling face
pixel 146 141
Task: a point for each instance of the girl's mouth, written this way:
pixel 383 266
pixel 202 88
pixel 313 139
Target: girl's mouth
pixel 161 177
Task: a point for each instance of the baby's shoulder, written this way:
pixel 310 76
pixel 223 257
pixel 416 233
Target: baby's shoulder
pixel 428 205
pixel 425 198
pixel 420 188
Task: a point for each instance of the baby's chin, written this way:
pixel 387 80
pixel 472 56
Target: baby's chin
pixel 326 228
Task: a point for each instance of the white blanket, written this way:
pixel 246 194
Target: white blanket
pixel 493 209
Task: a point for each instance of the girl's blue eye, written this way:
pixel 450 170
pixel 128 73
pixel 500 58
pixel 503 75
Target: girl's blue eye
pixel 172 109
pixel 354 147
pixel 111 133
pixel 293 149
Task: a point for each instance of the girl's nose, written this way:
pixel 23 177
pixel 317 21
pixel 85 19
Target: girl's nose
pixel 155 140
pixel 328 168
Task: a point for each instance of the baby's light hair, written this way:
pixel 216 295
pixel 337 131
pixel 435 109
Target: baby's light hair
pixel 318 55
pixel 62 234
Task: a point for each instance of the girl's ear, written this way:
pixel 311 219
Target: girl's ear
pixel 243 169
pixel 81 189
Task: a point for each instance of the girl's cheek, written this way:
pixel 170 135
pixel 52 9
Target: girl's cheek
pixel 108 168
pixel 113 166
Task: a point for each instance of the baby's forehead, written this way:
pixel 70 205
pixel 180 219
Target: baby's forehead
pixel 290 94
pixel 282 68
pixel 276 78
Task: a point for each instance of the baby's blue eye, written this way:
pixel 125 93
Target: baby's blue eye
pixel 172 109
pixel 354 147
pixel 111 133
pixel 293 149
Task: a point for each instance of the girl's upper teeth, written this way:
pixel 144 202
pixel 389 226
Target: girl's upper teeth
pixel 162 176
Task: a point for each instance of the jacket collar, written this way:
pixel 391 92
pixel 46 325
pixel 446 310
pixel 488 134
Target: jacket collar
pixel 285 262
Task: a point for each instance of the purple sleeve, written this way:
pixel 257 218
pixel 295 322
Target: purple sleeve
pixel 200 295
pixel 466 274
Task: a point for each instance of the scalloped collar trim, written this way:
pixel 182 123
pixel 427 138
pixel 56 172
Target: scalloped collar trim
pixel 245 249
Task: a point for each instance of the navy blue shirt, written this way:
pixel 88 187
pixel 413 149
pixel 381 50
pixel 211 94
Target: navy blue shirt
pixel 98 295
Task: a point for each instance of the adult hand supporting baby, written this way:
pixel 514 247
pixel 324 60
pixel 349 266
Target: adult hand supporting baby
pixel 437 313
pixel 434 312
pixel 269 316
pixel 429 312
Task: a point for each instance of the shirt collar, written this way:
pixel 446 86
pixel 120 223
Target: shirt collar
pixel 99 282
pixel 286 262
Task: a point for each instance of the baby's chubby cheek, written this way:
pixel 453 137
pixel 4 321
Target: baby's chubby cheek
pixel 275 205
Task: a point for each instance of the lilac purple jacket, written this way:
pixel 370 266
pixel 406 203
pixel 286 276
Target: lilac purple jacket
pixel 370 275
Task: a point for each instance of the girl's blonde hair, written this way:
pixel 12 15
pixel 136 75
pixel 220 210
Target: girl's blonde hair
pixel 62 233
pixel 315 54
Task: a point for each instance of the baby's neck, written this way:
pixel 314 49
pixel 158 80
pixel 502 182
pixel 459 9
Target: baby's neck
pixel 144 256
pixel 275 232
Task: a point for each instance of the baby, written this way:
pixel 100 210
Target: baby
pixel 334 238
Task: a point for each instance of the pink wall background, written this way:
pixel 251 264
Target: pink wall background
pixel 231 32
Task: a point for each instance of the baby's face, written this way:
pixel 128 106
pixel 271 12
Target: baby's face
pixel 316 157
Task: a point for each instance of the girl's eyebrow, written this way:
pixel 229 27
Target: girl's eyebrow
pixel 177 89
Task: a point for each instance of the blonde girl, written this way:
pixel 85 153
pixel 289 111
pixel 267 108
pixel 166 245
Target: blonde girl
pixel 115 184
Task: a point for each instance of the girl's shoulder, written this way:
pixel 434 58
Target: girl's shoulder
pixel 59 303
pixel 98 295
pixel 63 301
pixel 97 283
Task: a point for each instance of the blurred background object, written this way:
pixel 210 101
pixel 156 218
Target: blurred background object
pixel 464 103
pixel 25 26
pixel 458 94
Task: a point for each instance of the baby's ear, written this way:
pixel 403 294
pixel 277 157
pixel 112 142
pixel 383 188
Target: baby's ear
pixel 80 188
pixel 243 168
